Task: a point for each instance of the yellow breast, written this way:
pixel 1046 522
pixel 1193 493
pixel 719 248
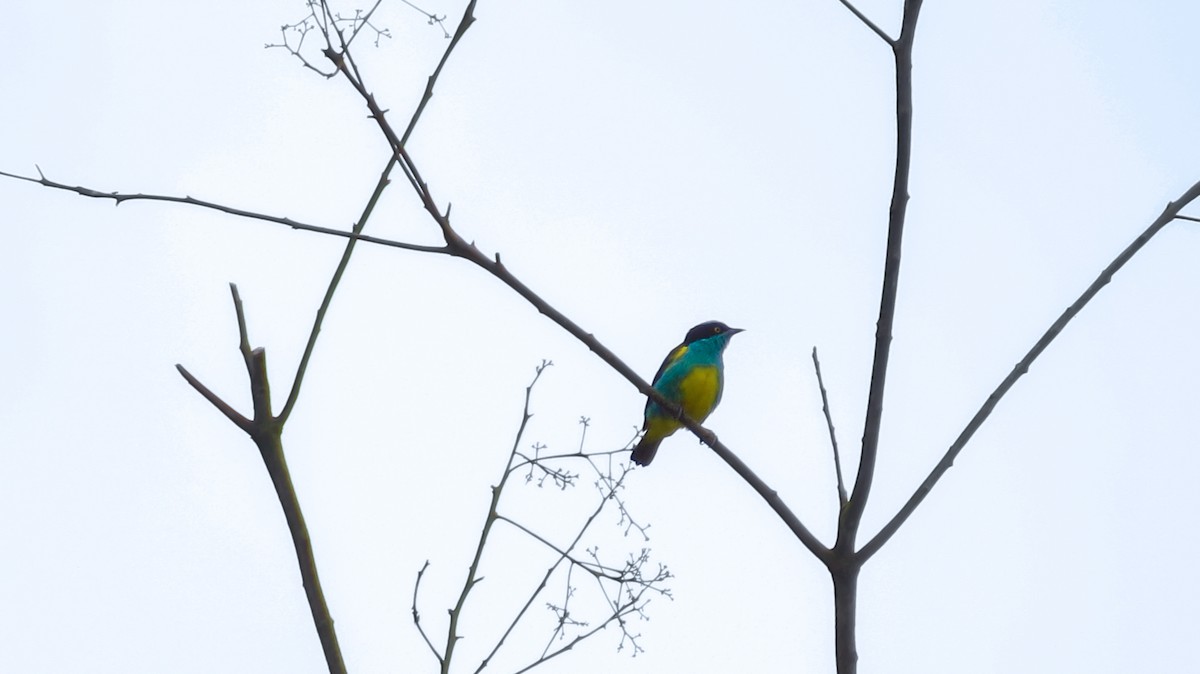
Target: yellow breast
pixel 699 390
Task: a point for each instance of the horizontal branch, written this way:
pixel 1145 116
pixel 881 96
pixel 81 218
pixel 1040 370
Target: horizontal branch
pixel 120 197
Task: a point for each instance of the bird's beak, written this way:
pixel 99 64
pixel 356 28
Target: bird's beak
pixel 734 331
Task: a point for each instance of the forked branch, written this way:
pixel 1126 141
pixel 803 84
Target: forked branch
pixel 1171 212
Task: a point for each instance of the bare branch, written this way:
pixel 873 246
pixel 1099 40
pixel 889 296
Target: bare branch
pixel 417 615
pixel 301 28
pixel 224 407
pixel 634 602
pixel 380 185
pixel 271 447
pixel 843 564
pixel 852 514
pixel 362 20
pixel 433 18
pixel 868 23
pixel 837 457
pixel 520 613
pixel 120 197
pixel 467 19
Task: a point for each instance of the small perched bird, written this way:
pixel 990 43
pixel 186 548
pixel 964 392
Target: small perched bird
pixel 692 376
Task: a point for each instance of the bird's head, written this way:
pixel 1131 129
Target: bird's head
pixel 710 329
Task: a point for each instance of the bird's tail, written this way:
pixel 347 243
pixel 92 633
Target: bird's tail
pixel 644 453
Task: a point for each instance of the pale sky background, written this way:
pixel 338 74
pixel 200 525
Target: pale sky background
pixel 645 166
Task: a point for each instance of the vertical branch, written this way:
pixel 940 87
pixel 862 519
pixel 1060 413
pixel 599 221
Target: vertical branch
pixel 845 600
pixel 843 564
pixel 902 51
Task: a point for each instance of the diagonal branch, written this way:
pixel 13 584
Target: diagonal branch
pixel 1171 212
pixel 222 406
pixel 463 25
pixel 843 564
pixel 333 285
pixel 868 23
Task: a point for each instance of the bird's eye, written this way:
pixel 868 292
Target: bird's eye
pixel 717 331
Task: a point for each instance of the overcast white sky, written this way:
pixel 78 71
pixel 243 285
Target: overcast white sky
pixel 645 166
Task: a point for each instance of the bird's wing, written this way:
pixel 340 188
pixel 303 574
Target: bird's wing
pixel 675 355
pixel 670 360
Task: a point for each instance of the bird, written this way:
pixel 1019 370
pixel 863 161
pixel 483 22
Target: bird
pixel 692 376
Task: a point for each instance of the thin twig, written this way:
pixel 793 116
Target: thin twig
pixel 417 614
pixel 362 20
pixel 224 407
pixel 869 24
pixel 433 18
pixel 120 197
pixel 463 25
pixel 600 571
pixel 528 460
pixel 256 369
pixel 629 607
pixel 563 612
pixel 837 457
pixel 512 625
pixel 380 185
